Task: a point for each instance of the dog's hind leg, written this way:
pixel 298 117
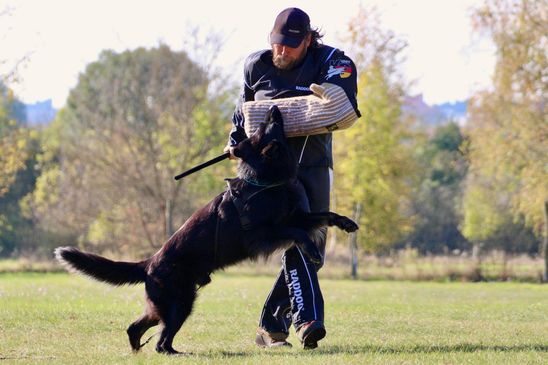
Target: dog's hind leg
pixel 137 329
pixel 174 315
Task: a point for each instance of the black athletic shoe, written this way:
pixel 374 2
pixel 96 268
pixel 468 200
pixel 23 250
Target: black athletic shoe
pixel 310 333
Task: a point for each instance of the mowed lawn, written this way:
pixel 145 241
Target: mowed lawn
pixel 68 319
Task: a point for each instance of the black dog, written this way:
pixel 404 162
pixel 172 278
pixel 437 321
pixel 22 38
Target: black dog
pixel 260 213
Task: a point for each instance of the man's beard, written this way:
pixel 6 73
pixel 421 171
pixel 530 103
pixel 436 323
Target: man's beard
pixel 286 63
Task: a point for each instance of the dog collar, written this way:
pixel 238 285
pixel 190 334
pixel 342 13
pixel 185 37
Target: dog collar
pixel 257 183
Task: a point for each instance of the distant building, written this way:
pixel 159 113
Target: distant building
pixel 40 113
pixel 434 115
pixel 456 111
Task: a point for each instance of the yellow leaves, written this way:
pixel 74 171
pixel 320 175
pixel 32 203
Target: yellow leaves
pixel 14 152
pixel 45 193
pixel 371 162
pixel 508 126
pixel 101 229
pixel 21 144
pixel 481 217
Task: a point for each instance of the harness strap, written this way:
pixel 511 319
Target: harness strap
pixel 217 235
pixel 239 203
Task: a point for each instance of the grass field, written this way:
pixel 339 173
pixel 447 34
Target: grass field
pixel 66 319
pixel 405 264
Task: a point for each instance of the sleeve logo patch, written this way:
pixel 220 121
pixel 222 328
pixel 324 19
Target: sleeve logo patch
pixel 343 71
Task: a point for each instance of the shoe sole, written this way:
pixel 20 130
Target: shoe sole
pixel 311 341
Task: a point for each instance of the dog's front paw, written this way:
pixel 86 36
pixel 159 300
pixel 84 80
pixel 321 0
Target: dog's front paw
pixel 346 224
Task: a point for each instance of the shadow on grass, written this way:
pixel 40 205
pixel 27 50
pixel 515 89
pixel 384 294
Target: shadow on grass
pixel 380 349
pixel 426 349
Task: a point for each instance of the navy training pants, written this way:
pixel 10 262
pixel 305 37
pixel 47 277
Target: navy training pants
pixel 296 296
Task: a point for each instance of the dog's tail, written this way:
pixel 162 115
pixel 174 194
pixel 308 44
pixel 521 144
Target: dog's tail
pixel 100 268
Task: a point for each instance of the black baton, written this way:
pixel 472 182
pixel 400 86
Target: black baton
pixel 203 165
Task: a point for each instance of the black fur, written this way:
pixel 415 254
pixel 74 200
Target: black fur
pixel 213 237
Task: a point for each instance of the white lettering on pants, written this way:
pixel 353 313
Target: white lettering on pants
pixel 297 292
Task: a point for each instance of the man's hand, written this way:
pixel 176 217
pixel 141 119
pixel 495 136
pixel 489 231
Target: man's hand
pixel 231 150
pixel 323 92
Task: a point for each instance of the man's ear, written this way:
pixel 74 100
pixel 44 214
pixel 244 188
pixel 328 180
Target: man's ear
pixel 308 40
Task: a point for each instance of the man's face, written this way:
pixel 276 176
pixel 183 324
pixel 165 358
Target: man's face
pixel 286 58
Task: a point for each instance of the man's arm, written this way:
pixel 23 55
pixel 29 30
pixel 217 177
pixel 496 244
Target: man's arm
pixel 325 111
pixel 237 133
pixel 340 70
pixel 332 106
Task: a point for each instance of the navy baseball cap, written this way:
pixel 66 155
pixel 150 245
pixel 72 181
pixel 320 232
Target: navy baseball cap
pixel 290 27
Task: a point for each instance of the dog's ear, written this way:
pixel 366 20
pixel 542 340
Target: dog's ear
pixel 274 123
pixel 273 115
pixel 272 150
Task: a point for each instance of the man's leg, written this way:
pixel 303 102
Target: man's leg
pixel 307 307
pixel 276 316
pixel 310 328
pixel 301 303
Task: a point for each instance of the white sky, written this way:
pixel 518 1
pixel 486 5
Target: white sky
pixel 444 58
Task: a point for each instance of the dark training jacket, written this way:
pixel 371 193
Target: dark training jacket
pixel 263 81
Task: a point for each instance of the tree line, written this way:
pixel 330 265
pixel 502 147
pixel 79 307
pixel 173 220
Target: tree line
pixel 101 174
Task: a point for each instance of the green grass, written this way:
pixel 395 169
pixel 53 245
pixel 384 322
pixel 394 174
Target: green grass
pixel 66 319
pixel 404 264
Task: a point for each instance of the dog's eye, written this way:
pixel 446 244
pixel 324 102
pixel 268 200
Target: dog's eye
pixel 271 150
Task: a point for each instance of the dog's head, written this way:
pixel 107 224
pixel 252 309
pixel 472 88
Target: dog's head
pixel 265 156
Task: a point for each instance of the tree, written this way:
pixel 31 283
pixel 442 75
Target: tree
pixel 18 146
pixel 373 162
pixel 13 139
pixel 436 198
pixel 16 150
pixel 508 125
pixel 133 121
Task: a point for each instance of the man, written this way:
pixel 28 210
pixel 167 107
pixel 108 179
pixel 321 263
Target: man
pixel 296 60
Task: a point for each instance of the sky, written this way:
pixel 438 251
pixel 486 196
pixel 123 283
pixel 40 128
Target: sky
pixel 445 61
